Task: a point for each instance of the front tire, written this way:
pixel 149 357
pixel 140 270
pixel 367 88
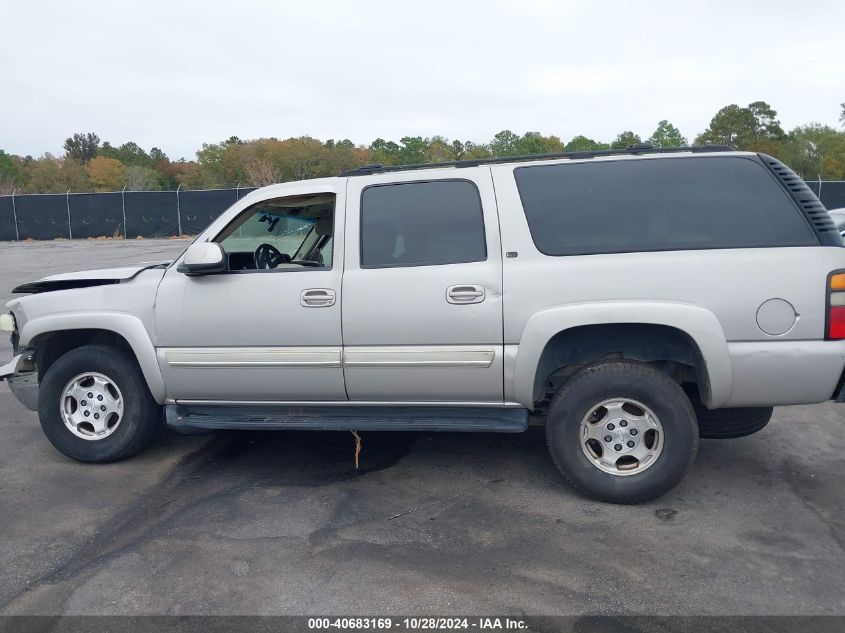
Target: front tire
pixel 94 405
pixel 622 432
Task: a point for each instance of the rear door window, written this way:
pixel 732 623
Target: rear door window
pixel 657 205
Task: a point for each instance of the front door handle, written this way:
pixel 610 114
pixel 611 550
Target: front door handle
pixel 317 298
pixel 465 294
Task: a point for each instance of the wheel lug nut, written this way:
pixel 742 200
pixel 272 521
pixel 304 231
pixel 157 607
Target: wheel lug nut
pixel 617 447
pixel 96 416
pixel 83 403
pixel 86 413
pixel 90 395
pixel 100 398
pixel 634 431
pixel 630 444
pixel 623 423
pixel 607 438
pixel 611 426
pixel 103 408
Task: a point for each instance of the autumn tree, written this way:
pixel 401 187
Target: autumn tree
pixel 667 135
pixel 106 174
pixel 82 147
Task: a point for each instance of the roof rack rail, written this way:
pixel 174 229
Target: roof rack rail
pixel 638 148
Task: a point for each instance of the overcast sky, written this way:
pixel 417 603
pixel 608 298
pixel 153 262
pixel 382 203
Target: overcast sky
pixel 176 74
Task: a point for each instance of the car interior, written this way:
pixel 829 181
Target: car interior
pixel 293 232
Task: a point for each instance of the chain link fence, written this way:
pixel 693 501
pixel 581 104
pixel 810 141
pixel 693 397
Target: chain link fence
pixel 150 214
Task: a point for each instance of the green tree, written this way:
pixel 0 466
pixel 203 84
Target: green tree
pixel 667 135
pixel 44 175
pixel 582 143
pixel 10 173
pixel 505 143
pixel 129 154
pixel 625 139
pixel 412 149
pixel 743 127
pixel 82 147
pixel 75 175
pixel 156 155
pixel 385 152
pixel 814 151
pixel 140 178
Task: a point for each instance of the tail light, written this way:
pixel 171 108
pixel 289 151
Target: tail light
pixel 835 306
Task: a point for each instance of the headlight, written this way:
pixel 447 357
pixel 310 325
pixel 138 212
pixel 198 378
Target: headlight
pixel 7 322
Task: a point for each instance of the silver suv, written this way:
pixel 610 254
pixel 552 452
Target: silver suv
pixel 633 301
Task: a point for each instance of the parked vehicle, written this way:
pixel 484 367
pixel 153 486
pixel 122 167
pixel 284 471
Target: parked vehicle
pixel 635 300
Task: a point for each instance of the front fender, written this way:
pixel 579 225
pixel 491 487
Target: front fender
pixel 129 327
pixel 700 324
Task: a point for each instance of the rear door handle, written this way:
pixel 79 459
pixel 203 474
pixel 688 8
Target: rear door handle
pixel 317 298
pixel 465 294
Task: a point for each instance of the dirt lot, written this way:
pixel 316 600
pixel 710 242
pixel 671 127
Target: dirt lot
pixel 283 524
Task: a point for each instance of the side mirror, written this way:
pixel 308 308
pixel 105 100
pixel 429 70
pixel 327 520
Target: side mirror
pixel 203 258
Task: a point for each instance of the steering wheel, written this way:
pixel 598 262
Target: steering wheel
pixel 268 256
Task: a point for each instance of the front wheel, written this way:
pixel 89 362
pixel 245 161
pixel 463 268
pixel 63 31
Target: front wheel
pixel 622 432
pixel 94 405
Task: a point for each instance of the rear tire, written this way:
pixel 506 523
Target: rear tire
pixel 94 405
pixel 614 399
pixel 723 424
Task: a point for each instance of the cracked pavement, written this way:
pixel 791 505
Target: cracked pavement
pixel 282 523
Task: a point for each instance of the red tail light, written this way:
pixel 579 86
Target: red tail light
pixel 836 306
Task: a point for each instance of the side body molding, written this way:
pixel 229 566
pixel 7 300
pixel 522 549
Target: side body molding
pixel 129 327
pixel 700 324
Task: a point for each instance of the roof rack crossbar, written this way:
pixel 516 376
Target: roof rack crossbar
pixel 639 148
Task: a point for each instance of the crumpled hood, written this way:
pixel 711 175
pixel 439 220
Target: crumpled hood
pixel 86 278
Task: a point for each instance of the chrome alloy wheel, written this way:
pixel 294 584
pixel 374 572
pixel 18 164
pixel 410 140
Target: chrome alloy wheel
pixel 91 406
pixel 621 436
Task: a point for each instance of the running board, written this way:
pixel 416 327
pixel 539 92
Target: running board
pixel 316 418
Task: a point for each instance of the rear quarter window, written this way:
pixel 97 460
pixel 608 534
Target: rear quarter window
pixel 656 205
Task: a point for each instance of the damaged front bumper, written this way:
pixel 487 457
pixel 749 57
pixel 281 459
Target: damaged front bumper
pixel 23 380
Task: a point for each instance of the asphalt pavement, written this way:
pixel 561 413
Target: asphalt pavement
pixel 282 523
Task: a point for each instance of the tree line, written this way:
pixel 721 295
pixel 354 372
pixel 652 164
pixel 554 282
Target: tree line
pixel 813 150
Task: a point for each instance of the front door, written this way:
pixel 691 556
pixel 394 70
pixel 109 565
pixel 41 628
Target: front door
pixel 268 328
pixel 422 288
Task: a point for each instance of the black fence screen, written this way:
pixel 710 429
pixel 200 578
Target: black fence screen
pixel 198 209
pixel 7 220
pixel 95 215
pixel 153 214
pixel 41 216
pixel 832 193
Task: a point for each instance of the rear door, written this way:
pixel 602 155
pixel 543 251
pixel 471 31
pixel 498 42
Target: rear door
pixel 422 288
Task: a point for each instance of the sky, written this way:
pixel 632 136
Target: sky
pixel 177 74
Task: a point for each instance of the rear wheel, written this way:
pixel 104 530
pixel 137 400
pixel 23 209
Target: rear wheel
pixel 622 431
pixel 94 405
